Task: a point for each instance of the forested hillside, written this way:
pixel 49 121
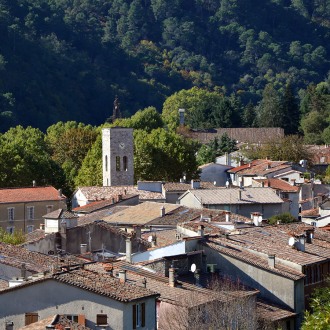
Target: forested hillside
pixel 67 59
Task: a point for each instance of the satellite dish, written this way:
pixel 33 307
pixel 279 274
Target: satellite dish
pixel 193 268
pixel 150 239
pixel 291 241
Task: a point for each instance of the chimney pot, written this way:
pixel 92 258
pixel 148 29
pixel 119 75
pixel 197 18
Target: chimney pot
pixel 122 276
pixel 171 277
pixel 128 250
pixel 162 211
pixel 271 260
pixel 34 183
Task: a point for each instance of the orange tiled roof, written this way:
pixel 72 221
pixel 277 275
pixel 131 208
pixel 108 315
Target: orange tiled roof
pixel 278 184
pixel 29 194
pixel 310 213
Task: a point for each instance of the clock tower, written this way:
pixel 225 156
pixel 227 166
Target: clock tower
pixel 117 156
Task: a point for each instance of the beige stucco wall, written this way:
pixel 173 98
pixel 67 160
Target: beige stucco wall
pixel 51 297
pixel 21 221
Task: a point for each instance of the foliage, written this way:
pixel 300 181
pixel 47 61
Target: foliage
pixel 63 60
pixel 163 155
pixel 17 237
pixel 283 218
pixel 203 109
pixel 217 147
pixel 69 143
pixel 24 157
pixel 318 318
pixel 289 148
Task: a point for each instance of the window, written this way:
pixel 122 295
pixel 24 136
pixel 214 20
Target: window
pixel 11 213
pixel 125 163
pixel 106 163
pixel 73 317
pixel 101 319
pixel 30 228
pixel 139 315
pixel 30 212
pixel 31 318
pixel 117 163
pixel 49 208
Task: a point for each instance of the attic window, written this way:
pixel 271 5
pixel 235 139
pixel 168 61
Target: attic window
pixel 102 319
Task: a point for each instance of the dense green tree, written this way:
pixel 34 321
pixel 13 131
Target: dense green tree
pixel 290 111
pixel 24 157
pixel 163 155
pixel 289 148
pixel 318 317
pixel 249 115
pixel 69 143
pixel 269 112
pixel 313 125
pixel 282 218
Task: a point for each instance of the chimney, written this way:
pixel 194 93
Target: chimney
pixel 120 197
pixel 200 231
pixel 153 241
pixel 83 248
pixel 271 260
pixel 300 245
pixel 128 249
pixel 293 182
pixel 144 282
pixel 241 162
pixel 113 200
pixel 42 226
pixel 268 166
pixel 239 194
pixel 181 116
pixel 23 271
pixel 197 277
pixel 162 211
pixel 122 276
pixel 34 183
pixel 137 230
pixel 171 277
pixel 309 235
pixel 195 184
pixel 60 193
pixel 227 214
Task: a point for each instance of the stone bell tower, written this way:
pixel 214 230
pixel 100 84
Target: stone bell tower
pixel 117 156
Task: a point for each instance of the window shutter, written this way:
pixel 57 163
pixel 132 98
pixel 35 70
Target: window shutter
pixel 143 316
pixel 101 319
pixel 81 319
pixel 31 318
pixel 134 316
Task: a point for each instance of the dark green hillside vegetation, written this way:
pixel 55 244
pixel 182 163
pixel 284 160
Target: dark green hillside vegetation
pixel 63 60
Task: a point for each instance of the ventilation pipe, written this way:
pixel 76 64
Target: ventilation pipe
pixel 171 277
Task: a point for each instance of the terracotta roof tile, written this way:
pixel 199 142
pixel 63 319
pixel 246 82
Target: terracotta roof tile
pixel 100 193
pixel 310 213
pixel 278 184
pixel 260 167
pixel 29 194
pixel 271 312
pixel 98 205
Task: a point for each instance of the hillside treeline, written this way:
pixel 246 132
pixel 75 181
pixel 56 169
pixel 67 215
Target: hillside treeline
pixel 64 60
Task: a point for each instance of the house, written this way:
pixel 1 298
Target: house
pixel 55 219
pixel 23 208
pixel 241 201
pixel 284 262
pixel 173 190
pixel 98 301
pixel 232 159
pixel 289 193
pixel 260 168
pixel 85 195
pixel 214 172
